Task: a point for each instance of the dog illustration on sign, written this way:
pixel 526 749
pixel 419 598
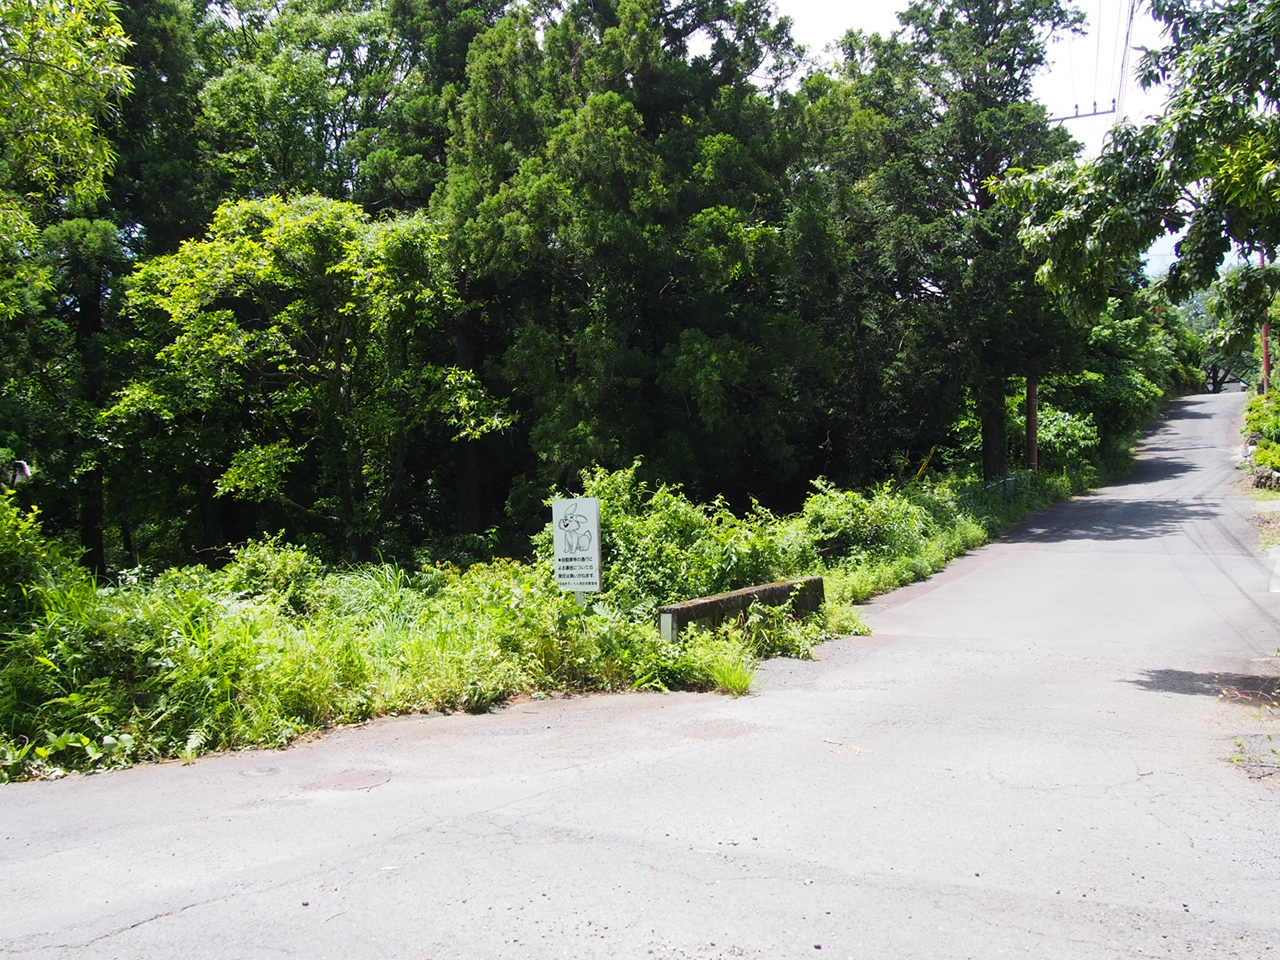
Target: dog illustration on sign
pixel 575 534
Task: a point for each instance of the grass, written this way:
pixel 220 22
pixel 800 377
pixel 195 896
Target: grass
pixel 733 674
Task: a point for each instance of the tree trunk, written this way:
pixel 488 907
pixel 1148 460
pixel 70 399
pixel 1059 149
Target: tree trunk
pixel 1266 341
pixel 1033 425
pixel 994 416
pixel 1266 356
pixel 126 544
pixel 469 512
pixel 89 487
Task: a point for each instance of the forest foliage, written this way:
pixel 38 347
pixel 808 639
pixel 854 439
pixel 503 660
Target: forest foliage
pixel 379 275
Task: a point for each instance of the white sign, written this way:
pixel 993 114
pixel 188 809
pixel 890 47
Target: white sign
pixel 577 535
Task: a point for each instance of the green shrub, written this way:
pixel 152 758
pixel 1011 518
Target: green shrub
pixel 1267 454
pixel 1262 424
pixel 1262 417
pixel 845 522
pixel 275 571
pixel 718 660
pixel 843 620
pixel 29 562
pixel 1066 438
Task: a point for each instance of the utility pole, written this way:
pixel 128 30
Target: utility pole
pixel 1266 340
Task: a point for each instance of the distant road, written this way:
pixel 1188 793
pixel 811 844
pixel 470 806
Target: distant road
pixel 1030 758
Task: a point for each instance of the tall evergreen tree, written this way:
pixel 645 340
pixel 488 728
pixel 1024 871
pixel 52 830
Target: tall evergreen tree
pixel 975 60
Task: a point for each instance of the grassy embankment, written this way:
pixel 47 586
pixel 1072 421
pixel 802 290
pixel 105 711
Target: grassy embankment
pixel 274 644
pixel 1262 427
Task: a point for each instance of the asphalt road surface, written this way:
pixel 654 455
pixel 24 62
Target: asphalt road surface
pixel 1032 757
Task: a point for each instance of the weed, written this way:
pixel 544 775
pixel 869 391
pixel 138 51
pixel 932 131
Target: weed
pixel 843 620
pixel 718 660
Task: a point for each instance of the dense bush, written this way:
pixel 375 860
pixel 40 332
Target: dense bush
pixel 845 522
pixel 29 562
pixel 1262 427
pixel 1262 417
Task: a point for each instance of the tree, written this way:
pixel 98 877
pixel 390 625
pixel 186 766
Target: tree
pixel 867 229
pixel 61 71
pixel 160 192
pixel 402 159
pixel 301 81
pixel 1241 300
pixel 973 62
pixel 1207 166
pixel 61 75
pixel 616 204
pixel 295 380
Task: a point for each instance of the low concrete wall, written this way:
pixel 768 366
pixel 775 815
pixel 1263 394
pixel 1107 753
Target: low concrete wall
pixel 808 594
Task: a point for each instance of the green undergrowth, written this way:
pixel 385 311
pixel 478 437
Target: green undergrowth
pixel 1262 425
pixel 274 643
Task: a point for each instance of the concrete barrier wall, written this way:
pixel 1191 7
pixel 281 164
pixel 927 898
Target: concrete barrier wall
pixel 807 595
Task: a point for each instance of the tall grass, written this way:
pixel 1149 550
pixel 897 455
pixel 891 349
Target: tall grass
pixel 274 644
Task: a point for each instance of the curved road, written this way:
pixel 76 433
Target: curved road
pixel 1030 758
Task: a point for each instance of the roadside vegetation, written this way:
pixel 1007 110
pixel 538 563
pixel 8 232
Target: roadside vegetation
pixel 1262 442
pixel 274 643
pixel 1262 433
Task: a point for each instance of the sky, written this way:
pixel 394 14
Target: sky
pixel 1083 69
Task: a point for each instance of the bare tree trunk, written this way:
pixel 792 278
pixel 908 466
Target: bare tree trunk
pixel 89 486
pixel 1033 425
pixel 994 416
pixel 1266 342
pixel 1266 356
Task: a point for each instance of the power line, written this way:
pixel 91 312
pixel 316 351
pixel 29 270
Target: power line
pixel 1097 51
pixel 1124 63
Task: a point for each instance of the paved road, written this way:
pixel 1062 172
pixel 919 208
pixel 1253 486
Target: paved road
pixel 1028 759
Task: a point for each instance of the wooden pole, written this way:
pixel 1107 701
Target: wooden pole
pixel 1266 342
pixel 1033 425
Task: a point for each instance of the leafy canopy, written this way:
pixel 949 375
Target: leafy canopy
pixel 61 71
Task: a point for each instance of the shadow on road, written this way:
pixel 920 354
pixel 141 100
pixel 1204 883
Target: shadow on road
pixel 1104 520
pixel 1239 688
pixel 1185 409
pixel 1155 469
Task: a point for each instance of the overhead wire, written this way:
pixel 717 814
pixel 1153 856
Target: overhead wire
pixel 1124 60
pixel 1097 54
pixel 1101 78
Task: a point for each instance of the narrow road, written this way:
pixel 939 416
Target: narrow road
pixel 1030 758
